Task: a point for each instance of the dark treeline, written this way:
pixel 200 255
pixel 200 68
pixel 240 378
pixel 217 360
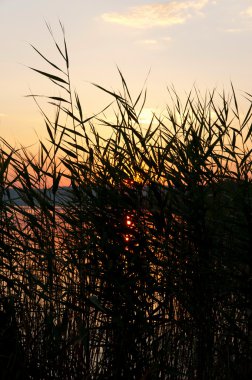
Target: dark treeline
pixel 141 268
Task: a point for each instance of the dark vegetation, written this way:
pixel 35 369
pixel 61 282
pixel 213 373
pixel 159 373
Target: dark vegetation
pixel 141 268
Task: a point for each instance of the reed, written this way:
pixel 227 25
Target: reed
pixel 141 268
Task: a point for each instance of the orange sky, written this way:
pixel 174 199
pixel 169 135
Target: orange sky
pixel 185 42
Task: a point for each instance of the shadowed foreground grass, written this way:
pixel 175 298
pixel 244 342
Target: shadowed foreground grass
pixel 141 269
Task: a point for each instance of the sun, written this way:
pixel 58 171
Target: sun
pixel 146 116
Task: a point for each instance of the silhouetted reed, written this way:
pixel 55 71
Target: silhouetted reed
pixel 141 267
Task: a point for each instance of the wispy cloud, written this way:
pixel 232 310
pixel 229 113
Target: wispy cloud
pixel 154 43
pixel 247 12
pixel 147 42
pixel 156 14
pixel 234 30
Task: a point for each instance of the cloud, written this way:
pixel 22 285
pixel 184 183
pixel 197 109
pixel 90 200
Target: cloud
pixel 247 12
pixel 148 42
pixel 154 43
pixel 156 14
pixel 233 30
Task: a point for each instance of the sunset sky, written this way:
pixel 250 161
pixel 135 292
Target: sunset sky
pixel 183 42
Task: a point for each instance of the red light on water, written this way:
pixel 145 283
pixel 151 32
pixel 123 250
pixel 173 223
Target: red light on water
pixel 129 182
